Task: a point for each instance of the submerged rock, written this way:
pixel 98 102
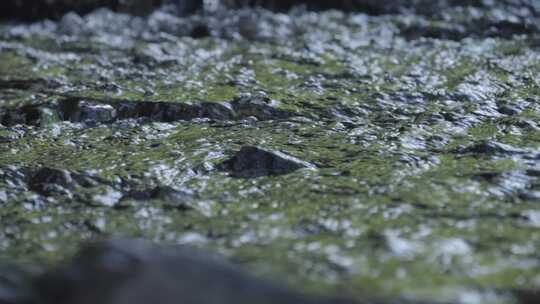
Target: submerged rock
pixel 98 111
pixel 491 148
pixel 133 271
pixel 255 162
pixel 48 180
pixel 34 115
pixel 52 182
pixel 84 111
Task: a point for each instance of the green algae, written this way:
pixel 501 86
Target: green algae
pixel 12 65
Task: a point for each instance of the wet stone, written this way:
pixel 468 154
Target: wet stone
pixel 530 195
pixel 200 31
pixel 35 115
pixel 64 184
pixel 103 111
pixel 169 112
pixel 89 112
pixel 260 108
pixel 491 148
pixel 47 181
pixel 252 162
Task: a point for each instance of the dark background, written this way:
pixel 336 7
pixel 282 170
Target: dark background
pixel 29 10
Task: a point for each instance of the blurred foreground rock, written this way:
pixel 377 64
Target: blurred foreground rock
pixel 527 296
pixel 134 271
pixel 13 284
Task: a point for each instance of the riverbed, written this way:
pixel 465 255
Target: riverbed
pixel 417 135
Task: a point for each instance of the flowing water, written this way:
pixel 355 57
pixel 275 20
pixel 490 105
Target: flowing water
pixel 420 135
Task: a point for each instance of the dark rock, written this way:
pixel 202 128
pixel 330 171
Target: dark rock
pixel 101 111
pixel 54 182
pixel 200 31
pixel 261 108
pixel 34 115
pixel 255 162
pixel 508 110
pixel 47 181
pixel 75 109
pixel 175 111
pixel 25 115
pixel 27 84
pixel 133 271
pixel 84 111
pixel 490 148
pixel 169 111
pixel 530 195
